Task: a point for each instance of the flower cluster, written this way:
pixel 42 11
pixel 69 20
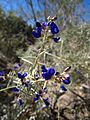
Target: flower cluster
pixel 21 77
pixel 26 83
pixel 49 26
pixel 66 81
pixel 47 73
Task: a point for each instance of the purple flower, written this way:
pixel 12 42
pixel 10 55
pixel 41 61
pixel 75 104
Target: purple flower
pixel 38 29
pixel 44 25
pixel 15 89
pixel 27 82
pixel 43 68
pixel 22 76
pixel 36 34
pixel 67 80
pixel 37 97
pixel 54 29
pixel 63 88
pixel 46 102
pixel 56 39
pixel 17 66
pixel 20 102
pixel 37 77
pixel 47 73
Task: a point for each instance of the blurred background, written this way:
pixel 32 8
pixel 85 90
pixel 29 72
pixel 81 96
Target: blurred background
pixel 18 18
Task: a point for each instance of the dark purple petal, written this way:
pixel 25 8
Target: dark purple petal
pixel 43 68
pixel 38 30
pixel 37 77
pixel 34 99
pixel 67 79
pixel 35 34
pixel 19 75
pixel 20 102
pixel 15 89
pixel 44 24
pixel 37 95
pixel 54 28
pixel 25 74
pixel 38 24
pixel 63 88
pixel 66 82
pixel 46 76
pixel 17 66
pixel 22 76
pixel 46 102
pixel 51 71
pixel 56 39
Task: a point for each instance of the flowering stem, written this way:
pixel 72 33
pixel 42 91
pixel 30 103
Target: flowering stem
pixel 41 51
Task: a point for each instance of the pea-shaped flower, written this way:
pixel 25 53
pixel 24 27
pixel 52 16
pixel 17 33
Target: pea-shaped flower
pixel 63 88
pixel 22 76
pixel 47 73
pixel 20 102
pixel 37 33
pixel 54 28
pixel 56 39
pixel 15 90
pixel 37 97
pixel 67 79
pixel 46 102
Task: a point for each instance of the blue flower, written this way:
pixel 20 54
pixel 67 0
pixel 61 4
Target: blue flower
pixel 22 76
pixel 37 77
pixel 2 73
pixel 46 102
pixel 15 89
pixel 43 68
pixel 67 80
pixel 36 34
pixel 26 83
pixel 63 88
pixel 56 39
pixel 44 24
pixel 37 97
pixel 38 29
pixel 17 66
pixel 51 71
pixel 20 102
pixel 47 74
pixel 54 29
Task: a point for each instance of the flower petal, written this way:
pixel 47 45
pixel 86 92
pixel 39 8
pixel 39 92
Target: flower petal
pixel 56 39
pixel 35 34
pixel 63 88
pixel 54 28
